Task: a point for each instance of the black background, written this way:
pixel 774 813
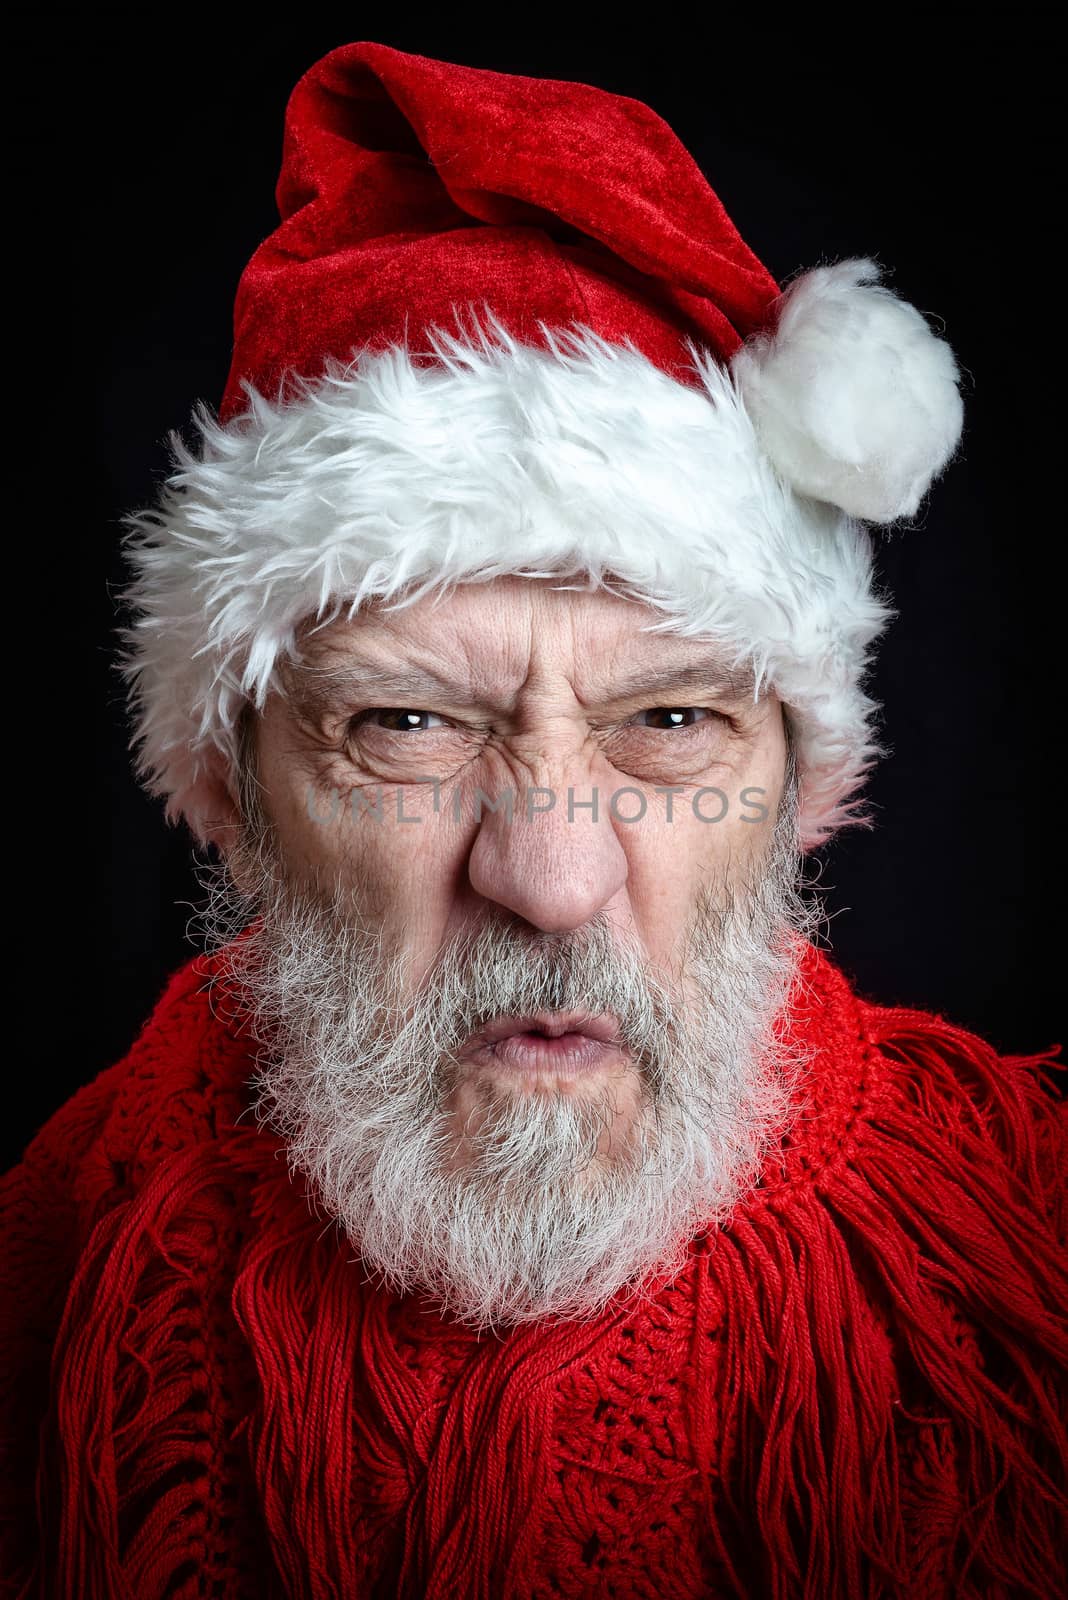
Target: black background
pixel 146 149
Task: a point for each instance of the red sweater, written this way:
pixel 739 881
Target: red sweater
pixel 853 1389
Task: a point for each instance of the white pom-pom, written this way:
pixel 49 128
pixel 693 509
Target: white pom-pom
pixel 853 396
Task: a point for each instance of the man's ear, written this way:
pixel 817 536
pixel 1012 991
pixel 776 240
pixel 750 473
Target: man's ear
pixel 221 816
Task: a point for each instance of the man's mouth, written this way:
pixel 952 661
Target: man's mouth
pixel 567 1044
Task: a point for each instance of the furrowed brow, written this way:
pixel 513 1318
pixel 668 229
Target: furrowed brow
pixel 734 682
pixel 317 689
pixel 321 688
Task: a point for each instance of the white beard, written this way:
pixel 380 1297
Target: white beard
pixel 520 1216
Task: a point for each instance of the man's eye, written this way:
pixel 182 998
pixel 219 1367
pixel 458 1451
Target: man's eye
pixel 398 719
pixel 666 717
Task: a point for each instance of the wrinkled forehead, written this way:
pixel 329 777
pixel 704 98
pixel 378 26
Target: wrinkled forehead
pixel 490 639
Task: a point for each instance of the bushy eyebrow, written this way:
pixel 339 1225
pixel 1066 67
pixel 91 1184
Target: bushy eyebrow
pixel 707 676
pixel 318 688
pixel 313 688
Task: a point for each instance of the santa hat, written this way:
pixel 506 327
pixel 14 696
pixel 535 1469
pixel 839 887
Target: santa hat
pixel 506 326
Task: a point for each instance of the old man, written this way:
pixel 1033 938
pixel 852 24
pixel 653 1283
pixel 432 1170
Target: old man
pixel 514 1198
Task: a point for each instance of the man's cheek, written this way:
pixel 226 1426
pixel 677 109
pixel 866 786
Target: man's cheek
pixel 409 887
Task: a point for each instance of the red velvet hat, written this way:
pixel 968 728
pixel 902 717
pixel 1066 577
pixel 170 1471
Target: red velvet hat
pixel 411 186
pixel 505 325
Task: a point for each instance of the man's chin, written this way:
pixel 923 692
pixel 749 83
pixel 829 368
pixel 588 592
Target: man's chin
pixel 506 1205
pixel 605 1096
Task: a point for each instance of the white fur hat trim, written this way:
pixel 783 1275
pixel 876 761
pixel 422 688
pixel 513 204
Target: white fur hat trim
pixel 388 477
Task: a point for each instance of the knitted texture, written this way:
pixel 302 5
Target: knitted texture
pixel 853 1388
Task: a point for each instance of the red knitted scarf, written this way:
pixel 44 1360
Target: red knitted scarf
pixel 853 1389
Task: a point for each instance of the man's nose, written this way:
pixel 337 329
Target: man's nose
pixel 553 865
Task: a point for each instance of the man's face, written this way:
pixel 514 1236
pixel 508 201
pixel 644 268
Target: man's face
pixel 527 884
